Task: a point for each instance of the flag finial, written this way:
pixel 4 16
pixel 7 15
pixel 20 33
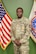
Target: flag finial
pixel 0 0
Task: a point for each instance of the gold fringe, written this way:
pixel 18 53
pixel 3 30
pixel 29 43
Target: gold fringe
pixel 6 45
pixel 34 39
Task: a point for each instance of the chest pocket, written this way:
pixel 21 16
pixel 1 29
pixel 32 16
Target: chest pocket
pixel 20 28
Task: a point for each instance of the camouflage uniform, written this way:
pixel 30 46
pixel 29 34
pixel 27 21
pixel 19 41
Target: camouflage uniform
pixel 20 30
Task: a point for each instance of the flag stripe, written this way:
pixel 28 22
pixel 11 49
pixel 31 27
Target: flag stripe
pixel 5 28
pixel 3 40
pixel 6 34
pixel 5 25
pixel 5 37
pixel 7 19
pixel 4 20
pixel 3 46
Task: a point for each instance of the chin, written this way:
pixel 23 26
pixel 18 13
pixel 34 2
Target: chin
pixel 19 16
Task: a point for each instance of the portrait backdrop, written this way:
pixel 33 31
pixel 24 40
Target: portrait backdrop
pixel 11 6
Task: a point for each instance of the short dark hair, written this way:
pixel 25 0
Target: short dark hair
pixel 19 8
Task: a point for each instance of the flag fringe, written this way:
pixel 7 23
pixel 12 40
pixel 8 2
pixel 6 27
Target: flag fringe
pixel 33 38
pixel 6 45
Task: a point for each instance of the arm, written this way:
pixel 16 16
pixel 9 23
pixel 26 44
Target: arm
pixel 12 32
pixel 27 33
pixel 14 40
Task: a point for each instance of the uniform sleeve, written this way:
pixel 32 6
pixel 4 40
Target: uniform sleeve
pixel 12 32
pixel 27 32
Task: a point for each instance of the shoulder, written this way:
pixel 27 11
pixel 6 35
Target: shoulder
pixel 14 21
pixel 26 20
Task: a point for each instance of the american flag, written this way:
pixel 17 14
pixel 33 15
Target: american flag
pixel 5 23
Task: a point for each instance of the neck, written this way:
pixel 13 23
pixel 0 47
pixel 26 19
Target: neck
pixel 19 17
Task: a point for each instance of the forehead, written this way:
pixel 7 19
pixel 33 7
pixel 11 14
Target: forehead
pixel 19 9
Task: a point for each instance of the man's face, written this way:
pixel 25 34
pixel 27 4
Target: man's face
pixel 19 13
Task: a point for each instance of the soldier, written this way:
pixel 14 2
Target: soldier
pixel 20 32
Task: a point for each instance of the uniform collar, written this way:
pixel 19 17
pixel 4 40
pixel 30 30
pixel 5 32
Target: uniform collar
pixel 21 18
